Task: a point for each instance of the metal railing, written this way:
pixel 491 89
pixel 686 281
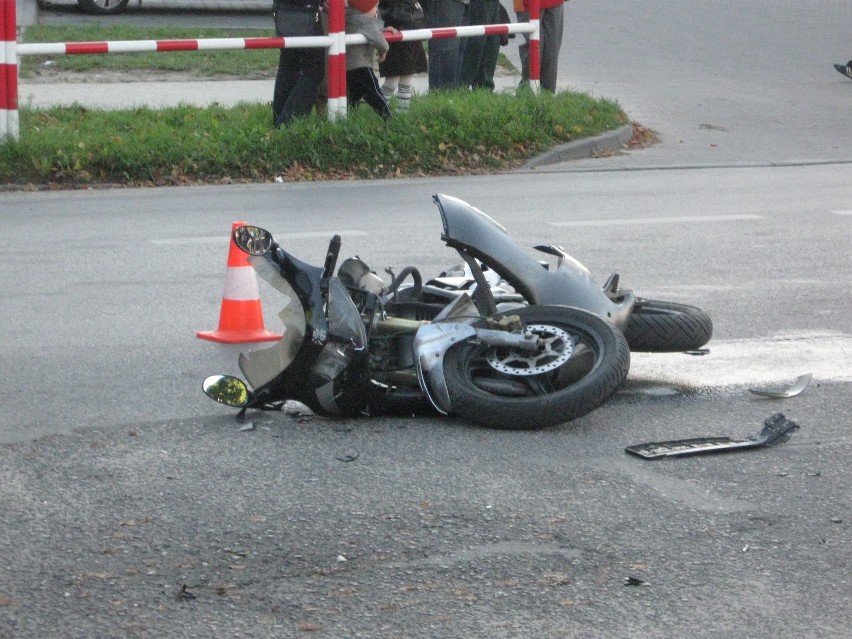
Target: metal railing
pixel 335 42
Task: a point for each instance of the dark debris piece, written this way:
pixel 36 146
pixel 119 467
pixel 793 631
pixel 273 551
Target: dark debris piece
pixel 184 593
pixel 635 581
pixel 777 429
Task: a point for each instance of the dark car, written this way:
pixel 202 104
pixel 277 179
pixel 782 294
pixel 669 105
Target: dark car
pixel 112 7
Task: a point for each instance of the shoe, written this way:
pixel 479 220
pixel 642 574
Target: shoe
pixel 845 70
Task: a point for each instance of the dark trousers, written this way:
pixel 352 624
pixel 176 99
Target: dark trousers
pixel 445 53
pixel 300 71
pixel 362 83
pixel 480 53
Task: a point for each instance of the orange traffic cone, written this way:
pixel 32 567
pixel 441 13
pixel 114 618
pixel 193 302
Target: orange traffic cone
pixel 241 317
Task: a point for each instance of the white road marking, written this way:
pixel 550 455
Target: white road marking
pixel 746 362
pixel 842 212
pixel 676 219
pixel 279 237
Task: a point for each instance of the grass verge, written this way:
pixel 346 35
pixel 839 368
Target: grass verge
pixel 443 133
pixel 254 63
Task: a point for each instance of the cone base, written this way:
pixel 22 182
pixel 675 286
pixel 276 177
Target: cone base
pixel 239 337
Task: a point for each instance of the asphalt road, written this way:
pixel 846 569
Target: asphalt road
pixel 132 506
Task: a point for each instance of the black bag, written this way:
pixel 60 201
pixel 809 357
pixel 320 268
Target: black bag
pixel 297 21
pixel 402 14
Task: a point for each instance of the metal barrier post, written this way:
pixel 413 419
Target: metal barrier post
pixel 8 71
pixel 336 60
pixel 535 47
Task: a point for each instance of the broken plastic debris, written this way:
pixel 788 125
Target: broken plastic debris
pixel 347 457
pixel 184 593
pixel 777 429
pixel 798 386
pixel 635 581
pixel 245 427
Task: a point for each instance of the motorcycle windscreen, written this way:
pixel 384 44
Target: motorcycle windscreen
pixel 263 365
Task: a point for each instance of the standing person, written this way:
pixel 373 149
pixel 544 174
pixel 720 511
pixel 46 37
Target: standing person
pixel 445 53
pixel 300 70
pixel 404 59
pixel 551 25
pixel 480 52
pixel 361 82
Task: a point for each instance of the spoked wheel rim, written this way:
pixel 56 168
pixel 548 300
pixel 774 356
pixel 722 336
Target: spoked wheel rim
pixel 511 373
pixel 582 363
pixel 557 346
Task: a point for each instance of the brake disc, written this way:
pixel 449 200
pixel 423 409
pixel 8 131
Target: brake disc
pixel 556 349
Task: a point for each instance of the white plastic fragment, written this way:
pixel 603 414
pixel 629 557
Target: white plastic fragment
pixel 798 386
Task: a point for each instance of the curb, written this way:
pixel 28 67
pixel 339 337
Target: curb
pixel 608 142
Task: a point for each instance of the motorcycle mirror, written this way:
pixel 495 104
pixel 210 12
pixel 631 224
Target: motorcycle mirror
pixel 253 239
pixel 227 390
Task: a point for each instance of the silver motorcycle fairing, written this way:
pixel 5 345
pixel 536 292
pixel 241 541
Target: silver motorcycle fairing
pixel 468 229
pixel 431 343
pixel 453 325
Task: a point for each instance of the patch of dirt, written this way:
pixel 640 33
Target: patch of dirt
pixel 643 137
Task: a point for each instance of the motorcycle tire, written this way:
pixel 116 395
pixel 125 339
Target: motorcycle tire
pixel 667 327
pixel 538 396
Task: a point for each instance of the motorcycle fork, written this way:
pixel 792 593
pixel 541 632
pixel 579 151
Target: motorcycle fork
pixel 482 296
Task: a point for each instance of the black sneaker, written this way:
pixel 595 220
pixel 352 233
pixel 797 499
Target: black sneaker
pixel 845 70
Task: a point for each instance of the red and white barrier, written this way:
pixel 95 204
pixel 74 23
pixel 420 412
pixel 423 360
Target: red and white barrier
pixel 335 43
pixel 8 71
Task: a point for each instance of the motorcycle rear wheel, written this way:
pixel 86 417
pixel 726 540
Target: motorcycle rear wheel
pixel 667 327
pixel 541 392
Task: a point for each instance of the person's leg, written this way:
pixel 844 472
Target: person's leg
pixel 304 93
pixel 355 88
pixel 444 52
pixel 524 49
pixel 285 80
pixel 403 96
pixel 389 86
pixel 490 50
pixel 373 93
pixel 552 26
pixel 473 47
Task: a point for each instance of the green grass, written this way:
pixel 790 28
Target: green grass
pixel 244 63
pixel 443 133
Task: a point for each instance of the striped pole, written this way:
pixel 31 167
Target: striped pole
pixel 337 60
pixel 535 46
pixel 8 71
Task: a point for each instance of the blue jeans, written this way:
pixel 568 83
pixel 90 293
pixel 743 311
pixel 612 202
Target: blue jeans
pixel 444 53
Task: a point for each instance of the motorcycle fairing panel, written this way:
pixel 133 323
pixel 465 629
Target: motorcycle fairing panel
pixel 321 356
pixel 469 230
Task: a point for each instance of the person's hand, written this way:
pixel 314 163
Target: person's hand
pixel 391 30
pixel 382 55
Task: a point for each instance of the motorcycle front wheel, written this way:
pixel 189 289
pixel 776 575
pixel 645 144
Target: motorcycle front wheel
pixel 582 363
pixel 667 327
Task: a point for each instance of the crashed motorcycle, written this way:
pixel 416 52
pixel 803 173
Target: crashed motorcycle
pixel 502 340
